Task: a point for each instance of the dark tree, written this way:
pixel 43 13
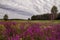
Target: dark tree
pixel 54 9
pixel 28 18
pixel 33 17
pixel 5 17
pixel 58 17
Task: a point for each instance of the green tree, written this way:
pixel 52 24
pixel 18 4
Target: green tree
pixel 5 17
pixel 28 18
pixel 54 9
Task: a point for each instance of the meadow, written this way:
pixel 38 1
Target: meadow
pixel 30 30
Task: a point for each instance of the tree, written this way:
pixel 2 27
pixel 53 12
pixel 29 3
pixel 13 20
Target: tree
pixel 58 17
pixel 5 17
pixel 28 18
pixel 54 9
pixel 33 17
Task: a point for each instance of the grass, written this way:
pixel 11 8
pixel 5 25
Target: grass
pixel 34 21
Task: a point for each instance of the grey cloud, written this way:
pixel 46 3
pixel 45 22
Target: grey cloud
pixel 22 12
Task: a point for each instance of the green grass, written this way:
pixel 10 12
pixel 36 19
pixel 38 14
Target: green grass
pixel 34 21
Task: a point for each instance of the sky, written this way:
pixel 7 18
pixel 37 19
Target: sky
pixel 24 9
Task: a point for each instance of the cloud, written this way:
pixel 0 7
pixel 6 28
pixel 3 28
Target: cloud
pixel 28 7
pixel 12 15
pixel 21 12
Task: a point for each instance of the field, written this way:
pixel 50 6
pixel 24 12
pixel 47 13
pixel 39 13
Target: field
pixel 30 30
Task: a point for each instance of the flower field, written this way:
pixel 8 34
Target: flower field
pixel 29 31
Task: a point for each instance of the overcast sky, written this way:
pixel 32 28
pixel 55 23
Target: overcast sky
pixel 23 9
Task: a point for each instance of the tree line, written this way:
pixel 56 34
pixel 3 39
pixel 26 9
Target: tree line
pixel 44 17
pixel 54 15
